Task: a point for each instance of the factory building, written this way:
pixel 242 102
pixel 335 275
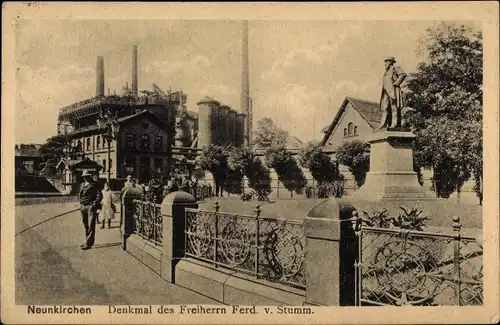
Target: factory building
pixel 154 129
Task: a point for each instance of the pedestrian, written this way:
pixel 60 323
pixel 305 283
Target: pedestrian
pixel 129 182
pixel 90 198
pixel 108 208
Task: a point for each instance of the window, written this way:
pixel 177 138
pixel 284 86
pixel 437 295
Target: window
pixel 79 146
pixel 98 141
pixel 350 127
pixel 159 165
pixel 104 166
pixel 104 142
pixel 345 132
pixel 158 142
pixel 88 144
pixel 130 141
pixel 110 165
pixel 130 165
pixel 145 142
pixel 355 130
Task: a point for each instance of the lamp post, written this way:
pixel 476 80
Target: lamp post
pixel 108 125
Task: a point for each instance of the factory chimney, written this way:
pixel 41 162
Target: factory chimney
pixel 245 86
pixel 100 77
pixel 134 71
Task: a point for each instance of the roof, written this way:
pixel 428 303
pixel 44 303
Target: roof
pixel 208 100
pixel 293 142
pixel 147 113
pixel 31 152
pixel 192 115
pixel 369 111
pixel 83 164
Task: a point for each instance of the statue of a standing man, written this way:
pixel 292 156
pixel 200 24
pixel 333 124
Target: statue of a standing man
pixel 391 101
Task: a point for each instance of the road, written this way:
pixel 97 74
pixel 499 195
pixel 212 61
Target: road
pixel 51 269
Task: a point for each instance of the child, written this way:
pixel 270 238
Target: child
pixel 107 206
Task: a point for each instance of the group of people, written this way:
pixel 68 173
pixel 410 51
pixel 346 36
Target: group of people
pixel 97 205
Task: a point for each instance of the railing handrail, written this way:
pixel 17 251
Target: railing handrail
pixel 247 216
pixel 415 233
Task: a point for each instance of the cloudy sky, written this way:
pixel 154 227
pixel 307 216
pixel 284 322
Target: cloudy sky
pixel 300 71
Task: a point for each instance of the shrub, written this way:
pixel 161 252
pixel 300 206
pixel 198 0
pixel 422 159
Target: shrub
pixel 411 219
pixel 289 173
pixel 356 156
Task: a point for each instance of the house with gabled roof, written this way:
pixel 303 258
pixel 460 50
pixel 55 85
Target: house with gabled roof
pixel 355 120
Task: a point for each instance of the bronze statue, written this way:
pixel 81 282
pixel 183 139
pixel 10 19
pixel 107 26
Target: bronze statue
pixel 391 100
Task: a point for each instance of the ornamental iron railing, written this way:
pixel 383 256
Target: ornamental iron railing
pixel 148 222
pixel 403 267
pixel 271 249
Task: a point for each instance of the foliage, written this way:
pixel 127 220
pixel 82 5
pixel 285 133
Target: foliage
pixel 411 219
pixel 289 173
pixel 356 156
pixel 234 181
pixel 51 153
pixel 268 134
pixel 321 166
pixel 380 218
pixel 214 159
pixel 259 177
pixel 446 95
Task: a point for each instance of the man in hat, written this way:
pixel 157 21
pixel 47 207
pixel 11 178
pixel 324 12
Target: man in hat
pixel 391 101
pixel 90 200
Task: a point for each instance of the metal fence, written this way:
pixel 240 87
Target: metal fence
pixel 271 249
pixel 148 222
pixel 402 267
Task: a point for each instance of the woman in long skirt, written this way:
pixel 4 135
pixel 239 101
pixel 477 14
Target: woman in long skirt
pixel 107 204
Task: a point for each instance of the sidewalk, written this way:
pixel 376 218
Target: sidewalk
pixel 51 268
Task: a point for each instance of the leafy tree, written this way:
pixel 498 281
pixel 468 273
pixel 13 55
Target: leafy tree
pixel 51 153
pixel 268 134
pixel 214 159
pixel 356 156
pixel 244 162
pixel 329 181
pixel 446 95
pixel 322 168
pixel 289 173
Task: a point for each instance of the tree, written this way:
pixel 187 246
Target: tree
pixel 268 134
pixel 322 168
pixel 214 159
pixel 289 173
pixel 51 153
pixel 243 161
pixel 356 156
pixel 446 95
pixel 329 181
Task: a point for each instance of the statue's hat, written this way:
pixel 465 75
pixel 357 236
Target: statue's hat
pixel 390 58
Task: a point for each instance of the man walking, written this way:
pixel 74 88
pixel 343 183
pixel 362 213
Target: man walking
pixel 90 199
pixel 391 100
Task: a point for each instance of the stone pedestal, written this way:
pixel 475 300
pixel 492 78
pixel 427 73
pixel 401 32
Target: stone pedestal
pixel 391 174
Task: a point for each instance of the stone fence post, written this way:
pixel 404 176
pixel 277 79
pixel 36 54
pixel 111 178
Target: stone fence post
pixel 331 255
pixel 127 212
pixel 173 214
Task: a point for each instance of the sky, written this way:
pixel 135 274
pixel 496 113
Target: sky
pixel 300 71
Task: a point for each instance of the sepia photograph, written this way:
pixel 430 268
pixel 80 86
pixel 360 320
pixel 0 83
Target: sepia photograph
pixel 253 168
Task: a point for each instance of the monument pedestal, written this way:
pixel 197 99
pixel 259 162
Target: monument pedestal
pixel 391 174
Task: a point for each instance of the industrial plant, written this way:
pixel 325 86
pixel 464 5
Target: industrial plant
pixel 146 133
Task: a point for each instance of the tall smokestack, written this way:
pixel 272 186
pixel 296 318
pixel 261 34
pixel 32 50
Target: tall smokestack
pixel 100 76
pixel 245 84
pixel 134 71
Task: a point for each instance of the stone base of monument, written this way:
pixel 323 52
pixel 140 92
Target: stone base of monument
pixel 391 174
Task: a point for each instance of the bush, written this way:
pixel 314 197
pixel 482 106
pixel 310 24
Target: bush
pixel 331 189
pixel 410 219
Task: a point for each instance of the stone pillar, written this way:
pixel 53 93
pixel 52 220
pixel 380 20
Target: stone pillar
pixel 127 212
pixel 391 174
pixel 173 214
pixel 331 254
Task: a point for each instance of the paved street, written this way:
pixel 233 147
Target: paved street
pixel 51 269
